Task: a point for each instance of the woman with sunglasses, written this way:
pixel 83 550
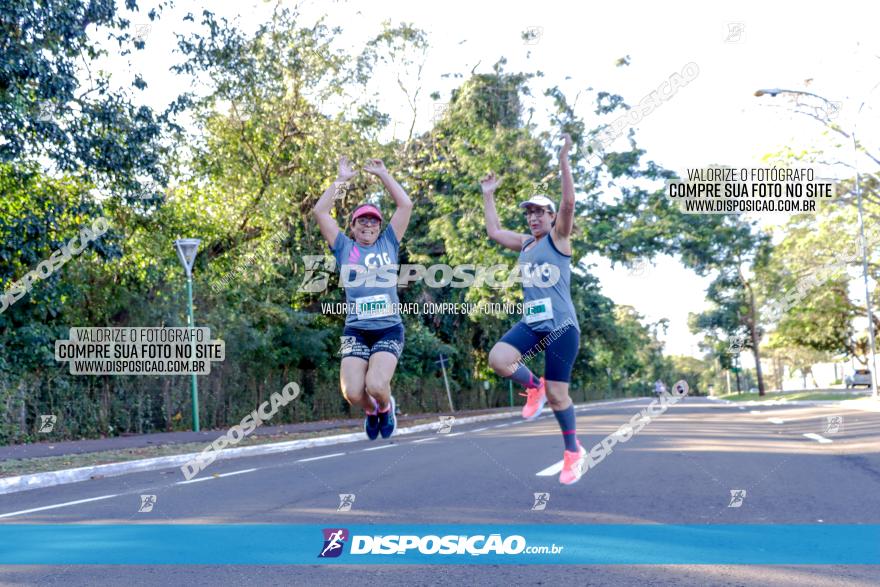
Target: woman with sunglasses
pixel 372 339
pixel 549 320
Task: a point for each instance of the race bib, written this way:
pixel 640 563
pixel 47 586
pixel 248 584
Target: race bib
pixel 538 310
pixel 373 307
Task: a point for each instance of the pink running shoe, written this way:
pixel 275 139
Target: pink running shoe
pixel 536 398
pixel 573 465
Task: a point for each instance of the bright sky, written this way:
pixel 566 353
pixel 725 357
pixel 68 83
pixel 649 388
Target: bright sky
pixel 738 47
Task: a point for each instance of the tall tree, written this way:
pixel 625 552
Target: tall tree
pixel 735 249
pixel 54 107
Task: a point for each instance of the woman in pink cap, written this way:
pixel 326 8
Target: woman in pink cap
pixel 372 339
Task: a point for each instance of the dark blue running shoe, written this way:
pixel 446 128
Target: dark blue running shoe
pixel 371 426
pixel 388 420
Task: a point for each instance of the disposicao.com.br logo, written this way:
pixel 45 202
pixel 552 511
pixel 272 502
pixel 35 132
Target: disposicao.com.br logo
pixel 402 544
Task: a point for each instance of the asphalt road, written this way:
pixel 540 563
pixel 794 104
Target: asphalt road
pixel 680 469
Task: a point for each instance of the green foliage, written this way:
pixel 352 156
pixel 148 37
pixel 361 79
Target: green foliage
pixel 85 129
pixel 273 112
pixel 808 275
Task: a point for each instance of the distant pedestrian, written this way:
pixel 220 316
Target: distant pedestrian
pixel 659 387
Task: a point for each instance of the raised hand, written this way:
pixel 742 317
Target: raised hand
pixel 376 167
pixel 566 147
pixel 490 183
pixel 345 171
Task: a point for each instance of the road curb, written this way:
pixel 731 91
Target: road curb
pixel 854 404
pixel 65 476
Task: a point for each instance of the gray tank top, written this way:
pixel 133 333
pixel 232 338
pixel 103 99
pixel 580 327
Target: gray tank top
pixel 546 308
pixel 370 307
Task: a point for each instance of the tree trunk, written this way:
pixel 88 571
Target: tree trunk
pixel 753 331
pixel 166 398
pixel 813 377
pixel 105 405
pixel 758 370
pixel 779 368
pixel 22 406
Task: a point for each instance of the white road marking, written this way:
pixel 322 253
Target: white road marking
pixel 380 447
pixel 480 429
pixel 453 434
pixel 821 439
pixel 60 505
pixel 502 425
pixel 336 454
pixel 551 470
pixel 755 412
pixel 209 477
pixel 425 439
pixel 776 420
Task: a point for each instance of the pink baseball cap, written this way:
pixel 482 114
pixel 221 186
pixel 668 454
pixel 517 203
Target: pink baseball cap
pixel 366 210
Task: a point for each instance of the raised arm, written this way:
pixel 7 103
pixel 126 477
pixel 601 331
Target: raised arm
pixel 565 219
pixel 508 238
pixel 321 211
pixel 400 220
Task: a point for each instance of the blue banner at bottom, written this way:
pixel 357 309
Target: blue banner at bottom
pixel 613 544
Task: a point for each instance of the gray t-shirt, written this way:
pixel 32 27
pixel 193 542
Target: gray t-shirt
pixel 547 308
pixel 370 291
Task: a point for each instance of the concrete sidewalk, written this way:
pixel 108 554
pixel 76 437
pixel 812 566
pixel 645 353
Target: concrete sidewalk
pixel 72 447
pixel 28 481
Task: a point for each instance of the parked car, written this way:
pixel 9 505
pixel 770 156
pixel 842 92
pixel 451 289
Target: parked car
pixel 859 377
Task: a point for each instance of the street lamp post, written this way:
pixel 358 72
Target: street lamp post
pixel 442 363
pixel 864 245
pixel 186 252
